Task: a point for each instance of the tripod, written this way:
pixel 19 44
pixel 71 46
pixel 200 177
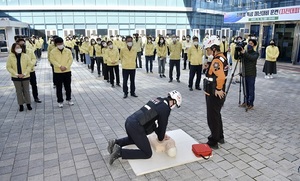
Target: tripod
pixel 242 82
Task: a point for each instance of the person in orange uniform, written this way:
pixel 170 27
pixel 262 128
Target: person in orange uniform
pixel 214 87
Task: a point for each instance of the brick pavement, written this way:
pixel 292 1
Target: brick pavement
pixel 50 143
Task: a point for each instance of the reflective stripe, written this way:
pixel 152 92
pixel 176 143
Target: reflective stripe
pixel 222 59
pixel 209 79
pixel 166 102
pixel 147 107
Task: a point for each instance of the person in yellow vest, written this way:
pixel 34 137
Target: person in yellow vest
pixel 138 45
pixel 85 51
pixel 128 56
pixel 149 52
pixel 272 53
pixel 38 46
pixel 112 58
pixel 224 46
pixel 19 65
pixel 68 43
pixel 175 51
pixel 62 59
pixel 195 54
pixel 32 57
pixel 41 40
pixel 118 43
pixel 104 68
pixel 99 57
pixel 162 54
pixel 92 53
pixel 51 46
pixel 185 46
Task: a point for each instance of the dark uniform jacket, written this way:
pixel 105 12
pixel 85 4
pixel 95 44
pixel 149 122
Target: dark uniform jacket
pixel 250 60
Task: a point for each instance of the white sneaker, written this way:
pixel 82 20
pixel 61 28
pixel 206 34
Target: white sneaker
pixel 70 103
pixel 267 77
pixel 271 76
pixel 60 105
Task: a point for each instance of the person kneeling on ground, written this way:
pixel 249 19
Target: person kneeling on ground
pixel 152 117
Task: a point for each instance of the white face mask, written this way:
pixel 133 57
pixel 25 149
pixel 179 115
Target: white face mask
pixel 18 50
pixel 104 44
pixel 210 58
pixel 161 41
pixel 223 39
pixel 99 42
pixel 110 46
pixel 129 44
pixel 174 39
pixel 195 43
pixel 188 39
pixel 149 41
pixel 60 47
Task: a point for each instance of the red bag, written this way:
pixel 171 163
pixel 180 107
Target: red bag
pixel 202 150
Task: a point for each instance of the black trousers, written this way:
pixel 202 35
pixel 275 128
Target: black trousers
pixel 114 70
pixel 53 78
pixel 82 58
pixel 99 62
pixel 138 56
pixel 126 73
pixel 76 48
pixel 136 135
pixel 60 79
pixel 105 71
pixel 38 53
pixel 175 63
pixel 214 119
pixel 195 69
pixel 185 61
pixel 93 60
pixel 33 85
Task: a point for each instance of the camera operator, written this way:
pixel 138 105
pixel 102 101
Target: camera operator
pixel 249 59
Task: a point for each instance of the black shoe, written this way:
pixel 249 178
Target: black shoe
pixel 99 75
pixel 198 88
pixel 221 141
pixel 191 89
pixel 160 76
pixel 118 85
pixel 21 108
pixel 37 100
pixel 92 71
pixel 108 81
pixel 134 95
pixel 213 145
pixel 164 76
pixel 178 80
pixel 170 80
pixel 112 85
pixel 29 107
pixel 115 154
pixel 151 72
pixel 110 147
pixel 125 96
pixel 184 69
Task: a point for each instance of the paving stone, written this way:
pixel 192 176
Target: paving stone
pixel 36 177
pixel 268 172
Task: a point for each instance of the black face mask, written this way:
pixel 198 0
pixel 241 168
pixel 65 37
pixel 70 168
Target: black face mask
pixel 272 43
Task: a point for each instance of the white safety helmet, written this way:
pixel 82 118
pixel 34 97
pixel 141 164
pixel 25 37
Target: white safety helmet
pixel 213 40
pixel 175 95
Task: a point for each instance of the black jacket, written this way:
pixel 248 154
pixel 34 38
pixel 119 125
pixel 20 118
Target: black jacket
pixel 249 62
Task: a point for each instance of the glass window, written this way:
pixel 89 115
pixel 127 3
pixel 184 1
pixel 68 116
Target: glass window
pixel 124 2
pixel 49 2
pixel 161 3
pixel 38 19
pixel 27 19
pixel 92 13
pixel 14 14
pixel 124 14
pixel 171 20
pixel 39 27
pixel 13 2
pixel 139 19
pixel 79 19
pixel 24 2
pixel 112 2
pixel 113 19
pixel 150 3
pixel 78 2
pixel 3 2
pixel 70 26
pixel 139 3
pixel 78 13
pixel 91 19
pixel 37 13
pixel 161 20
pixel 150 20
pixel 58 19
pixel 50 19
pixel 91 26
pixel 123 19
pixel 66 13
pixel 50 13
pixel 68 19
pixel 102 19
pixel 59 26
pixel 90 2
pixel 26 14
pixel 82 26
pixel 124 26
pixel 181 20
pixel 180 3
pixel 102 13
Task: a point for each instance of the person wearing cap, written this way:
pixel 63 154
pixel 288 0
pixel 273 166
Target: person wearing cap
pixel 62 59
pixel 152 117
pixel 272 53
pixel 175 51
pixel 195 54
pixel 214 88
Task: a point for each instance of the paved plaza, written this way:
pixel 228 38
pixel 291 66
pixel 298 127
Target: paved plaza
pixel 69 143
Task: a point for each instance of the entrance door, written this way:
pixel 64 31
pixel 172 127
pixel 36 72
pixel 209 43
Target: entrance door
pixel 113 32
pixel 50 33
pixel 267 35
pixel 196 32
pixel 180 33
pixel 210 31
pixel 284 35
pixel 91 33
pixel 160 32
pixel 68 32
pixel 141 32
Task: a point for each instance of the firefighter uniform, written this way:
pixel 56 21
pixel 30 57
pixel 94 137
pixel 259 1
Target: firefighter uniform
pixel 153 117
pixel 215 80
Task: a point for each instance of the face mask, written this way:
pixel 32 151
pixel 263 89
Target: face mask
pixel 18 50
pixel 210 58
pixel 60 47
pixel 272 43
pixel 93 43
pixel 104 44
pixel 99 42
pixel 86 40
pixel 174 39
pixel 249 47
pixel 123 40
pixel 149 41
pixel 223 39
pixel 188 39
pixel 161 41
pixel 239 40
pixel 195 43
pixel 129 44
pixel 110 46
pixel 253 37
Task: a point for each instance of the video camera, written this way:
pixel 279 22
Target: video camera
pixel 240 46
